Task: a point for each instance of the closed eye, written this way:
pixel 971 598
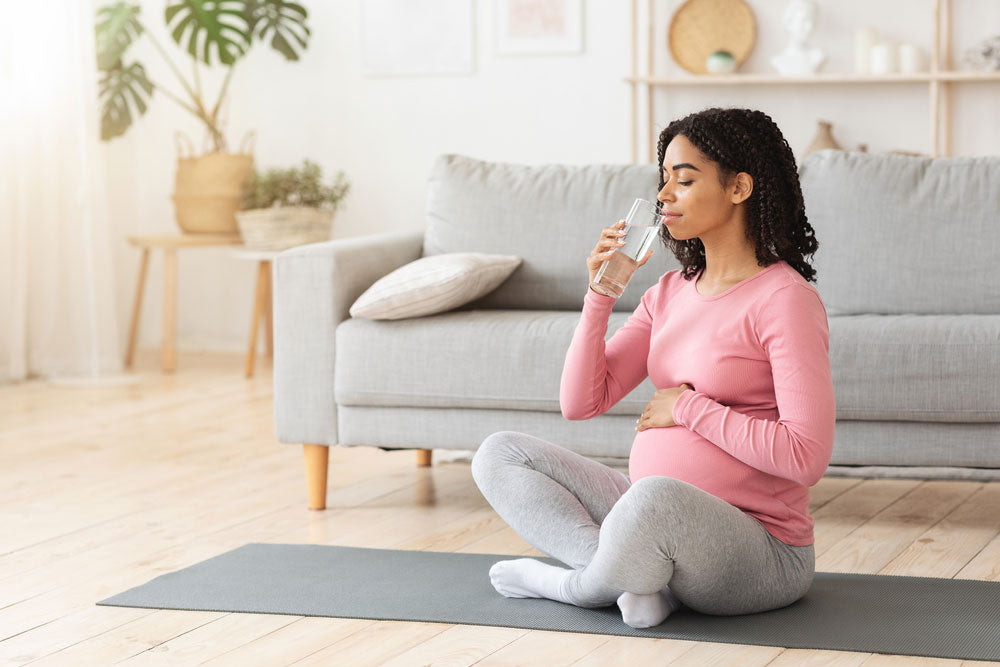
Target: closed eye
pixel 678 182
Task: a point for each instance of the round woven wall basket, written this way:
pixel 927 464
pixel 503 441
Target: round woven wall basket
pixel 699 28
pixel 284 227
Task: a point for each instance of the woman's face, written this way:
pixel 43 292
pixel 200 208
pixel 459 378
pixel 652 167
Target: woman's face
pixel 692 190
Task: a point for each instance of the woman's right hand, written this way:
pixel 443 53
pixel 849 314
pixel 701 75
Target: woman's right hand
pixel 609 242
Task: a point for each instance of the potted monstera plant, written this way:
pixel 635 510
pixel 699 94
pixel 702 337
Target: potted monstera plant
pixel 208 187
pixel 282 208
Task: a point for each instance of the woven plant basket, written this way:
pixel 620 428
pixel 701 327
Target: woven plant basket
pixel 208 188
pixel 284 227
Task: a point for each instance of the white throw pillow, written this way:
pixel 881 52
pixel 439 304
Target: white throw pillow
pixel 434 284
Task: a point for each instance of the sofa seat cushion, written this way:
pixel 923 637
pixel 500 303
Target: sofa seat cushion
pixel 924 368
pixel 506 359
pixel 927 368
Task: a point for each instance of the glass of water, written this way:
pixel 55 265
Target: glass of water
pixel 642 224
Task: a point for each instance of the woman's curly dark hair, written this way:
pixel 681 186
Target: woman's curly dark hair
pixel 747 140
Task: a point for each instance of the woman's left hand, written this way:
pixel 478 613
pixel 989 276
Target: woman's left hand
pixel 660 411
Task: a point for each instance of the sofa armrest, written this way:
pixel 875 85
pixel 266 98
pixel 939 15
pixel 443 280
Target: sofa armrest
pixel 314 288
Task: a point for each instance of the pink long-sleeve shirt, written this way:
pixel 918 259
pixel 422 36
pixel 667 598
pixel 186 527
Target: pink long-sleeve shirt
pixel 757 430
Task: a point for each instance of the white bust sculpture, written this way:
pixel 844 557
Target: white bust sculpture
pixel 798 58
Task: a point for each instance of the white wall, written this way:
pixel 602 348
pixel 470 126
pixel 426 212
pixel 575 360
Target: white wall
pixel 384 132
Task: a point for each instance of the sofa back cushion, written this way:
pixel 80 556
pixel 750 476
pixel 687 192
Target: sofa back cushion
pixel 550 215
pixel 900 234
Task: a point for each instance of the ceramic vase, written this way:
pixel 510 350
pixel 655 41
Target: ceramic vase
pixel 823 139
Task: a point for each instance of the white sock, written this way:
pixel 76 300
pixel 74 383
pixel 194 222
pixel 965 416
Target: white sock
pixel 645 611
pixel 529 578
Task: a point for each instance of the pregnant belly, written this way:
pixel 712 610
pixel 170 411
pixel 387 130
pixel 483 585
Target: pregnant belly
pixel 678 452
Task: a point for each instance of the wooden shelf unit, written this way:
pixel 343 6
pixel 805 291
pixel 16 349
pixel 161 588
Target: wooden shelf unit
pixel 758 79
pixel 938 79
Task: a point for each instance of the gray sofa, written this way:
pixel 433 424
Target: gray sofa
pixel 906 268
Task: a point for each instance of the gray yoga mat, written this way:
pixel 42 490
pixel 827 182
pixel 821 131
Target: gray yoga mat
pixel 945 618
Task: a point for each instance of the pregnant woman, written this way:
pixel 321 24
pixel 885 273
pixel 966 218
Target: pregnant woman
pixel 714 513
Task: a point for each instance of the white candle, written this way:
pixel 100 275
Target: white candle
pixel 864 39
pixel 883 58
pixel 910 58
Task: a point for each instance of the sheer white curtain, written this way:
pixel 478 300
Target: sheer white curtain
pixel 57 310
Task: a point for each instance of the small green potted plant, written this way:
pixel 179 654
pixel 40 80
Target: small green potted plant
pixel 281 208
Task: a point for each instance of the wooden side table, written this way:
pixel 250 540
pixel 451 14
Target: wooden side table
pixel 262 305
pixel 170 244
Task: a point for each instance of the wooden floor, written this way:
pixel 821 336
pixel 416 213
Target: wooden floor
pixel 102 489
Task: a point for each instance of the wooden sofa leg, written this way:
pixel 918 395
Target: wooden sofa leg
pixel 317 459
pixel 424 457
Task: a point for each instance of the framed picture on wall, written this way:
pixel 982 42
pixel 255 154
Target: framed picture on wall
pixel 539 27
pixel 400 37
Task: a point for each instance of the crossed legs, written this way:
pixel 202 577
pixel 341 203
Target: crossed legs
pixel 625 542
pixel 570 497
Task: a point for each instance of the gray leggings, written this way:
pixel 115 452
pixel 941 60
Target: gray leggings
pixel 619 536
